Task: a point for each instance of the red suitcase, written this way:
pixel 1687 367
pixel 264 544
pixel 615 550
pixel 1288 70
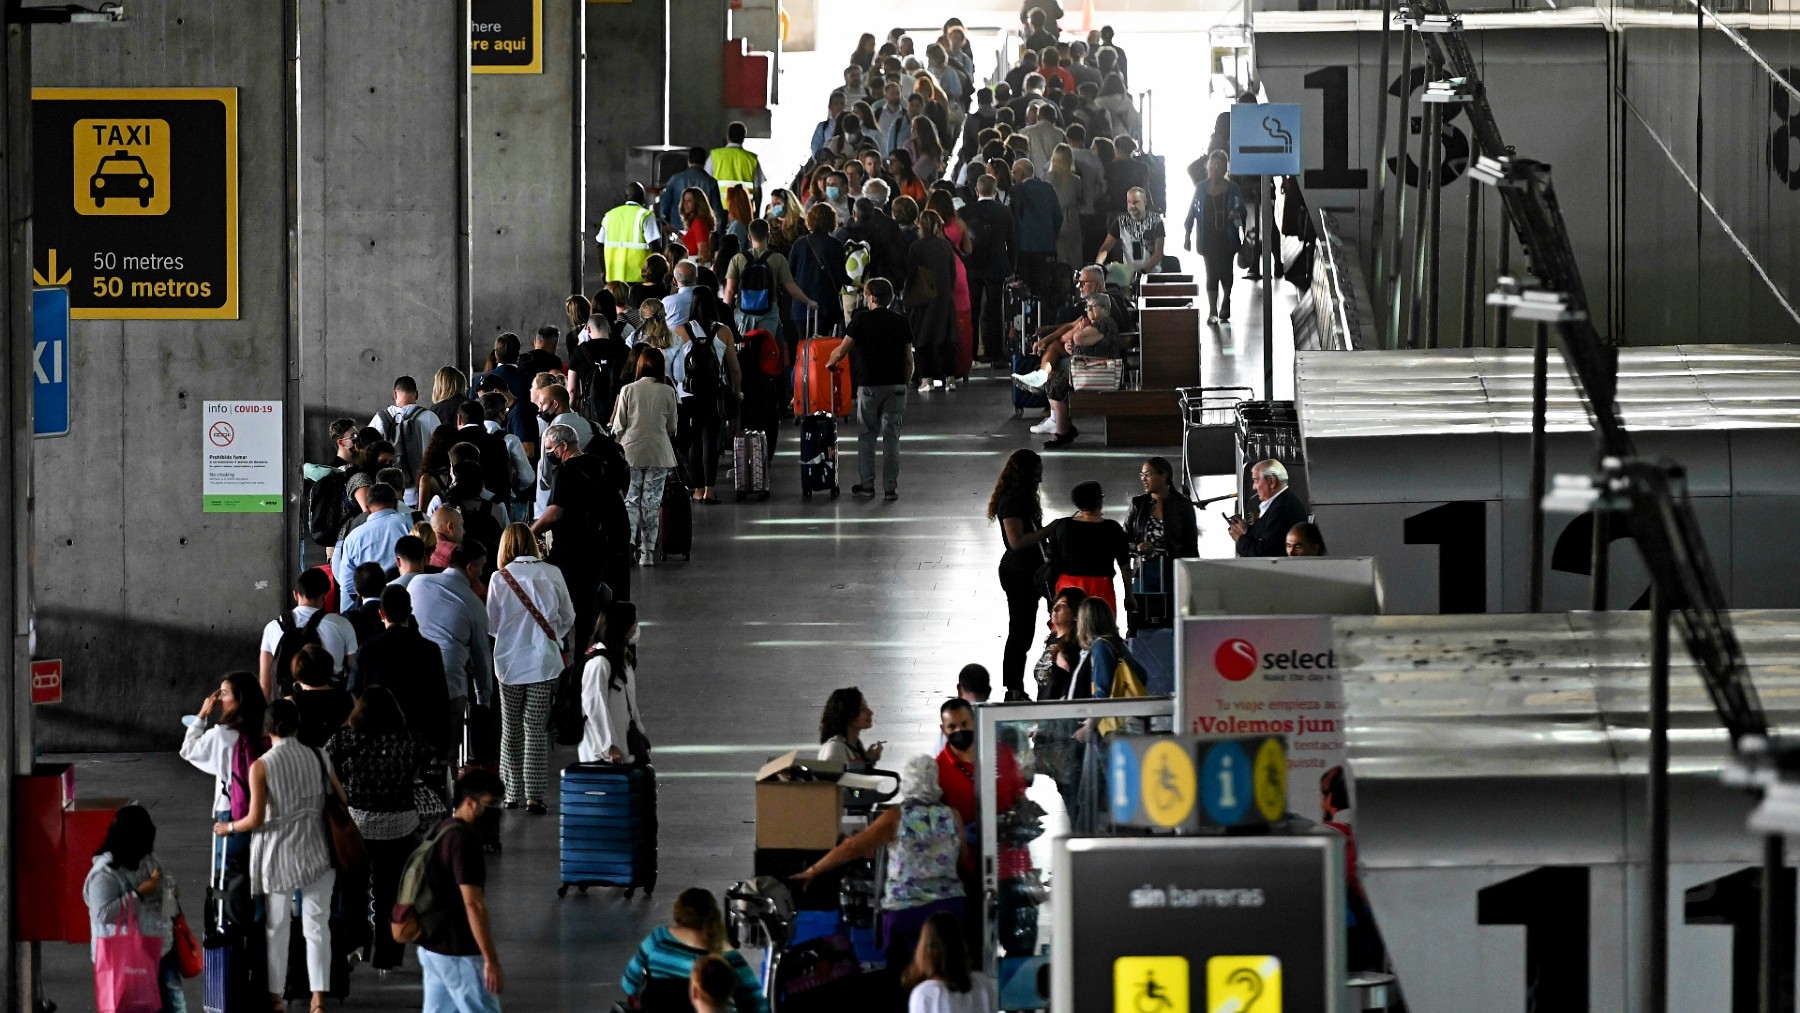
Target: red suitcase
pixel 818 394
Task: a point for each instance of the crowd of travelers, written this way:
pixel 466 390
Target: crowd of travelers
pixel 481 533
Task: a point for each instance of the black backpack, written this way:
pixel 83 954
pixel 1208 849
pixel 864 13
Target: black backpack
pixel 756 286
pixel 479 521
pixel 496 463
pixel 701 366
pixel 292 639
pixel 328 506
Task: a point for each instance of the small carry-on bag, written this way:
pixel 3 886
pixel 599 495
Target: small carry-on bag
pixel 608 827
pixel 750 464
pixel 821 975
pixel 818 456
pixel 676 533
pixel 235 964
pixel 818 393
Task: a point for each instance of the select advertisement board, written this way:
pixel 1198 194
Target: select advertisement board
pixel 1173 924
pixel 1265 676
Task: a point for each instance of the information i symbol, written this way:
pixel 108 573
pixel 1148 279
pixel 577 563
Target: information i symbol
pixel 1227 797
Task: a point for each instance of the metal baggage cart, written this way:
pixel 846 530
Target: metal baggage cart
pixel 1209 442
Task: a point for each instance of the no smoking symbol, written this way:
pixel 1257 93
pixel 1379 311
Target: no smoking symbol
pixel 221 434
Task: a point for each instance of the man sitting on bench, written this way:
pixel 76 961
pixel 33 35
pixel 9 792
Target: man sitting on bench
pixel 1095 335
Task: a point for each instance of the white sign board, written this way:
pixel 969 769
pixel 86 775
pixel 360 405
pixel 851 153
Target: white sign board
pixel 240 443
pixel 1266 676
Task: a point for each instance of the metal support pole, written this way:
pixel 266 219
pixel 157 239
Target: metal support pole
pixel 1471 252
pixel 1540 379
pixel 1502 268
pixel 1378 278
pixel 578 141
pixel 18 961
pixel 1416 292
pixel 1776 944
pixel 1600 561
pixel 1435 241
pixel 1268 284
pixel 1656 907
pixel 1395 282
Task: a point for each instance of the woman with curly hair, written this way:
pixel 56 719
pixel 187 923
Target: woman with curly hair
pixel 846 717
pixel 1016 505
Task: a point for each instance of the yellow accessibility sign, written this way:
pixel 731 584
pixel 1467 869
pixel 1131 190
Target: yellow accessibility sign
pixel 1167 783
pixel 1271 780
pixel 1243 984
pixel 1150 985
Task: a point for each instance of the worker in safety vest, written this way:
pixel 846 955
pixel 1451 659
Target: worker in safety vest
pixel 627 234
pixel 733 166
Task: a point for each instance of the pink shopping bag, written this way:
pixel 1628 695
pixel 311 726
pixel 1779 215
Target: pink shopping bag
pixel 126 968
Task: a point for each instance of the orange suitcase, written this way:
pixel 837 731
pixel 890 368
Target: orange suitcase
pixel 818 391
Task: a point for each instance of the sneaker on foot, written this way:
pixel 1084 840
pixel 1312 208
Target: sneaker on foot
pixel 1034 379
pixel 924 386
pixel 1045 427
pixel 862 490
pixel 949 384
pixel 891 495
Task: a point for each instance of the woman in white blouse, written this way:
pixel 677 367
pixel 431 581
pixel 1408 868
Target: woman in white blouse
pixel 529 613
pixel 223 739
pixel 609 688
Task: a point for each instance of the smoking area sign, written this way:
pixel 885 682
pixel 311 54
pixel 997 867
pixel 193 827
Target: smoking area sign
pixel 506 36
pixel 241 449
pixel 136 201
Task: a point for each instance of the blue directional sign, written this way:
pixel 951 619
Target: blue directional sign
pixel 1265 140
pixel 1124 766
pixel 50 361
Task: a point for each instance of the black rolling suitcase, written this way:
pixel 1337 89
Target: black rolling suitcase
pixel 1024 314
pixel 236 962
pixel 819 976
pixel 818 456
pixel 608 827
pixel 676 532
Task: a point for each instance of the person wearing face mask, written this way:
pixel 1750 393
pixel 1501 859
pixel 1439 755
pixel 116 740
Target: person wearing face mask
pixel 849 138
pixel 609 688
pixel 1137 235
pixel 836 197
pixel 956 776
pixel 786 221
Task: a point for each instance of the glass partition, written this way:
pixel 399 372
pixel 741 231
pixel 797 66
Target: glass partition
pixel 1041 772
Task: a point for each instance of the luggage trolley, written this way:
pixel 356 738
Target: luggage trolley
pixel 1209 441
pixel 1269 430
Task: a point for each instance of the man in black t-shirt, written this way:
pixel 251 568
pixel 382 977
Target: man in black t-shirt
pixel 460 962
pixel 586 519
pixel 881 362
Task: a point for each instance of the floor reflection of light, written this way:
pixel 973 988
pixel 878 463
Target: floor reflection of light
pixel 768 622
pixel 935 537
pixel 908 644
pixel 705 749
pixel 798 521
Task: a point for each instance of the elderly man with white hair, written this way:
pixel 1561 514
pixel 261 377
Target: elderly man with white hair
pixel 1279 509
pixel 925 846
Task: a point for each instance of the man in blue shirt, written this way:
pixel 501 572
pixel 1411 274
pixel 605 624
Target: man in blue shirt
pixel 371 542
pixel 668 203
pixel 678 309
pixel 452 617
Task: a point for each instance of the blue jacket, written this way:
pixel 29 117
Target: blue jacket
pixel 1038 214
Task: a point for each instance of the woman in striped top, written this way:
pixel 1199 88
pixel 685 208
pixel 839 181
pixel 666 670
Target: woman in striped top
pixel 662 964
pixel 289 849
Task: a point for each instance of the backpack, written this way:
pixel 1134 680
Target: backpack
pixel 701 366
pixel 856 261
pixel 418 911
pixel 400 432
pixel 292 639
pixel 567 723
pixel 759 349
pixel 496 464
pixel 328 506
pixel 479 522
pixel 756 286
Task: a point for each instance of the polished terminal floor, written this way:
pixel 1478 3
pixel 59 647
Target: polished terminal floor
pixel 782 602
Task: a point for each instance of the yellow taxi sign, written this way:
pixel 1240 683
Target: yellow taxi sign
pixel 1243 984
pixel 1150 985
pixel 121 166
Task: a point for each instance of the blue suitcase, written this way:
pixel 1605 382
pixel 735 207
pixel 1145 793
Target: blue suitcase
pixel 607 827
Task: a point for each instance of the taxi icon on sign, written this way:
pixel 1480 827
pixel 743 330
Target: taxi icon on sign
pixel 122 176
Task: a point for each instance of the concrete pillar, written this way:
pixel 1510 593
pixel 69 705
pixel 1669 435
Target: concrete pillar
pixel 696 89
pixel 145 598
pixel 627 93
pixel 525 165
pixel 384 251
pixel 353 259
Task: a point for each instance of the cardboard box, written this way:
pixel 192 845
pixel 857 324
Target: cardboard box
pixel 798 802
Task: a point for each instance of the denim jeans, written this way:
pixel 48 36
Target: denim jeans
pixel 879 409
pixel 456 984
pixel 168 976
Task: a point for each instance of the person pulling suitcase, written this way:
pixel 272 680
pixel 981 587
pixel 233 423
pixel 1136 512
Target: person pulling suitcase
pixel 880 350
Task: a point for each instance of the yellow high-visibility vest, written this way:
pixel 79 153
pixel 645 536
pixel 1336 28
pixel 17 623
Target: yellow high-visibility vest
pixel 734 167
pixel 622 235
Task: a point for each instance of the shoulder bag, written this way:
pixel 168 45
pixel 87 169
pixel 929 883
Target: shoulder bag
pixel 348 850
pixel 636 742
pixel 1051 568
pixel 525 600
